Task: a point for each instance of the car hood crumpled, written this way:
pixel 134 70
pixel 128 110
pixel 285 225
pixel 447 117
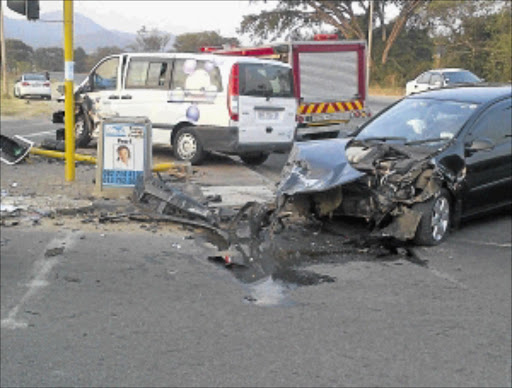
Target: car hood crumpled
pixel 316 166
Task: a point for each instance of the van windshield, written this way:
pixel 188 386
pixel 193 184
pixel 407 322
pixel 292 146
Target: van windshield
pixel 266 80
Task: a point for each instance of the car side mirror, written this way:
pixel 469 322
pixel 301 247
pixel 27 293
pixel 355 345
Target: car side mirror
pixel 480 144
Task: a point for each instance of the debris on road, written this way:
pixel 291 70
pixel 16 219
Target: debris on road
pixel 168 199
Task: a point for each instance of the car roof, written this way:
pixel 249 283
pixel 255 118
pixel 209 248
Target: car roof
pixel 211 57
pixel 449 69
pixel 475 94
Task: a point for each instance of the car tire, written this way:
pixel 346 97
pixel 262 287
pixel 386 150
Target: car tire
pixel 187 146
pixel 435 221
pixel 82 130
pixel 254 159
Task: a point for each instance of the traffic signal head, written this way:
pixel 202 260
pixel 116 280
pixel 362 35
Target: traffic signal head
pixel 30 8
pixel 13 150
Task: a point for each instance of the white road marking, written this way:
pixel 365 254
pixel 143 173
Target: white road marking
pixel 445 276
pixel 489 243
pixel 41 269
pixel 39 133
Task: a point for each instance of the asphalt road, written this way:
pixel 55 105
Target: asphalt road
pixel 89 304
pixel 92 305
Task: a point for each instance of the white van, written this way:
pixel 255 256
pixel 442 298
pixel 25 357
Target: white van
pixel 196 102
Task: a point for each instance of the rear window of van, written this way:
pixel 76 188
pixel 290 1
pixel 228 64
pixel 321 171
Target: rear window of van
pixel 265 80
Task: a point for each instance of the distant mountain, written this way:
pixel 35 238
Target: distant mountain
pixel 88 34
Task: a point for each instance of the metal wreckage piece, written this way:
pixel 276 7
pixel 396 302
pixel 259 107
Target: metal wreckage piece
pixel 169 200
pixel 380 182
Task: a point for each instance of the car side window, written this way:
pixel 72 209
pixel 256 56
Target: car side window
pixel 105 75
pixel 196 75
pixel 148 74
pixel 494 124
pixel 424 78
pixel 436 78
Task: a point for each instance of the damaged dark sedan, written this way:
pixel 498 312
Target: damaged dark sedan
pixel 414 170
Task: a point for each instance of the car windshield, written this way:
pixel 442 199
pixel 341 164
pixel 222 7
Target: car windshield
pixel 420 121
pixel 460 77
pixel 34 77
pixel 266 80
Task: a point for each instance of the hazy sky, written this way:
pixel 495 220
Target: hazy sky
pixel 174 16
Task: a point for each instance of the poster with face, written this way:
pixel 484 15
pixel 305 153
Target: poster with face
pixel 123 154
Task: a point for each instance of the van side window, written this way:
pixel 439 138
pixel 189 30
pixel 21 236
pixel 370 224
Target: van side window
pixel 105 75
pixel 196 75
pixel 147 74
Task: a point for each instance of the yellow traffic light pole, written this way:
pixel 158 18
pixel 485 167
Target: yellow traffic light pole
pixel 69 89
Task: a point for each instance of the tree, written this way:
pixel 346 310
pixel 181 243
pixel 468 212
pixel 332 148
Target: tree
pixel 294 19
pixel 80 57
pixel 192 42
pixel 99 54
pixel 472 35
pixel 19 55
pixel 49 58
pixel 152 41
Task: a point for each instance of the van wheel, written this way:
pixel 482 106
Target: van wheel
pixel 187 146
pixel 435 220
pixel 82 130
pixel 254 159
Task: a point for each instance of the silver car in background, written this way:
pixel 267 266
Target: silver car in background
pixel 440 78
pixel 33 84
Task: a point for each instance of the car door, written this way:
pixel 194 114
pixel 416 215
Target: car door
pixel 436 81
pixel 267 104
pixel 104 84
pixel 488 172
pixel 422 82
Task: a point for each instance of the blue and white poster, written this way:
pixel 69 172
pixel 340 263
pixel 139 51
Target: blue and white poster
pixel 123 154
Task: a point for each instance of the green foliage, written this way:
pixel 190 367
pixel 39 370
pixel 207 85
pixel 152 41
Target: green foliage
pixel 192 42
pixel 80 58
pixel 19 56
pixel 410 55
pixel 475 36
pixel 49 59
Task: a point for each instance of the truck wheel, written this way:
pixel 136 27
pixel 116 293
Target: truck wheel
pixel 435 220
pixel 187 146
pixel 254 159
pixel 82 130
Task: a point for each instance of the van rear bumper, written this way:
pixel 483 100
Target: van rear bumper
pixel 226 139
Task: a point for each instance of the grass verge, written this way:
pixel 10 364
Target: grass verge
pixel 376 90
pixel 27 108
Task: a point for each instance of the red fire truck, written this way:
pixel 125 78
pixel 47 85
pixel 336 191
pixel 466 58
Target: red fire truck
pixel 330 81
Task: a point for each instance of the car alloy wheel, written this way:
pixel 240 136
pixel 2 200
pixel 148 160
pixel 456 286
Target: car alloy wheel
pixel 440 218
pixel 435 219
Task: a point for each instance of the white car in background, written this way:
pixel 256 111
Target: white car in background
pixel 440 78
pixel 33 84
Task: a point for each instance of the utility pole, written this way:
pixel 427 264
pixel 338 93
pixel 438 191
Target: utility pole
pixel 5 92
pixel 69 93
pixel 370 30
